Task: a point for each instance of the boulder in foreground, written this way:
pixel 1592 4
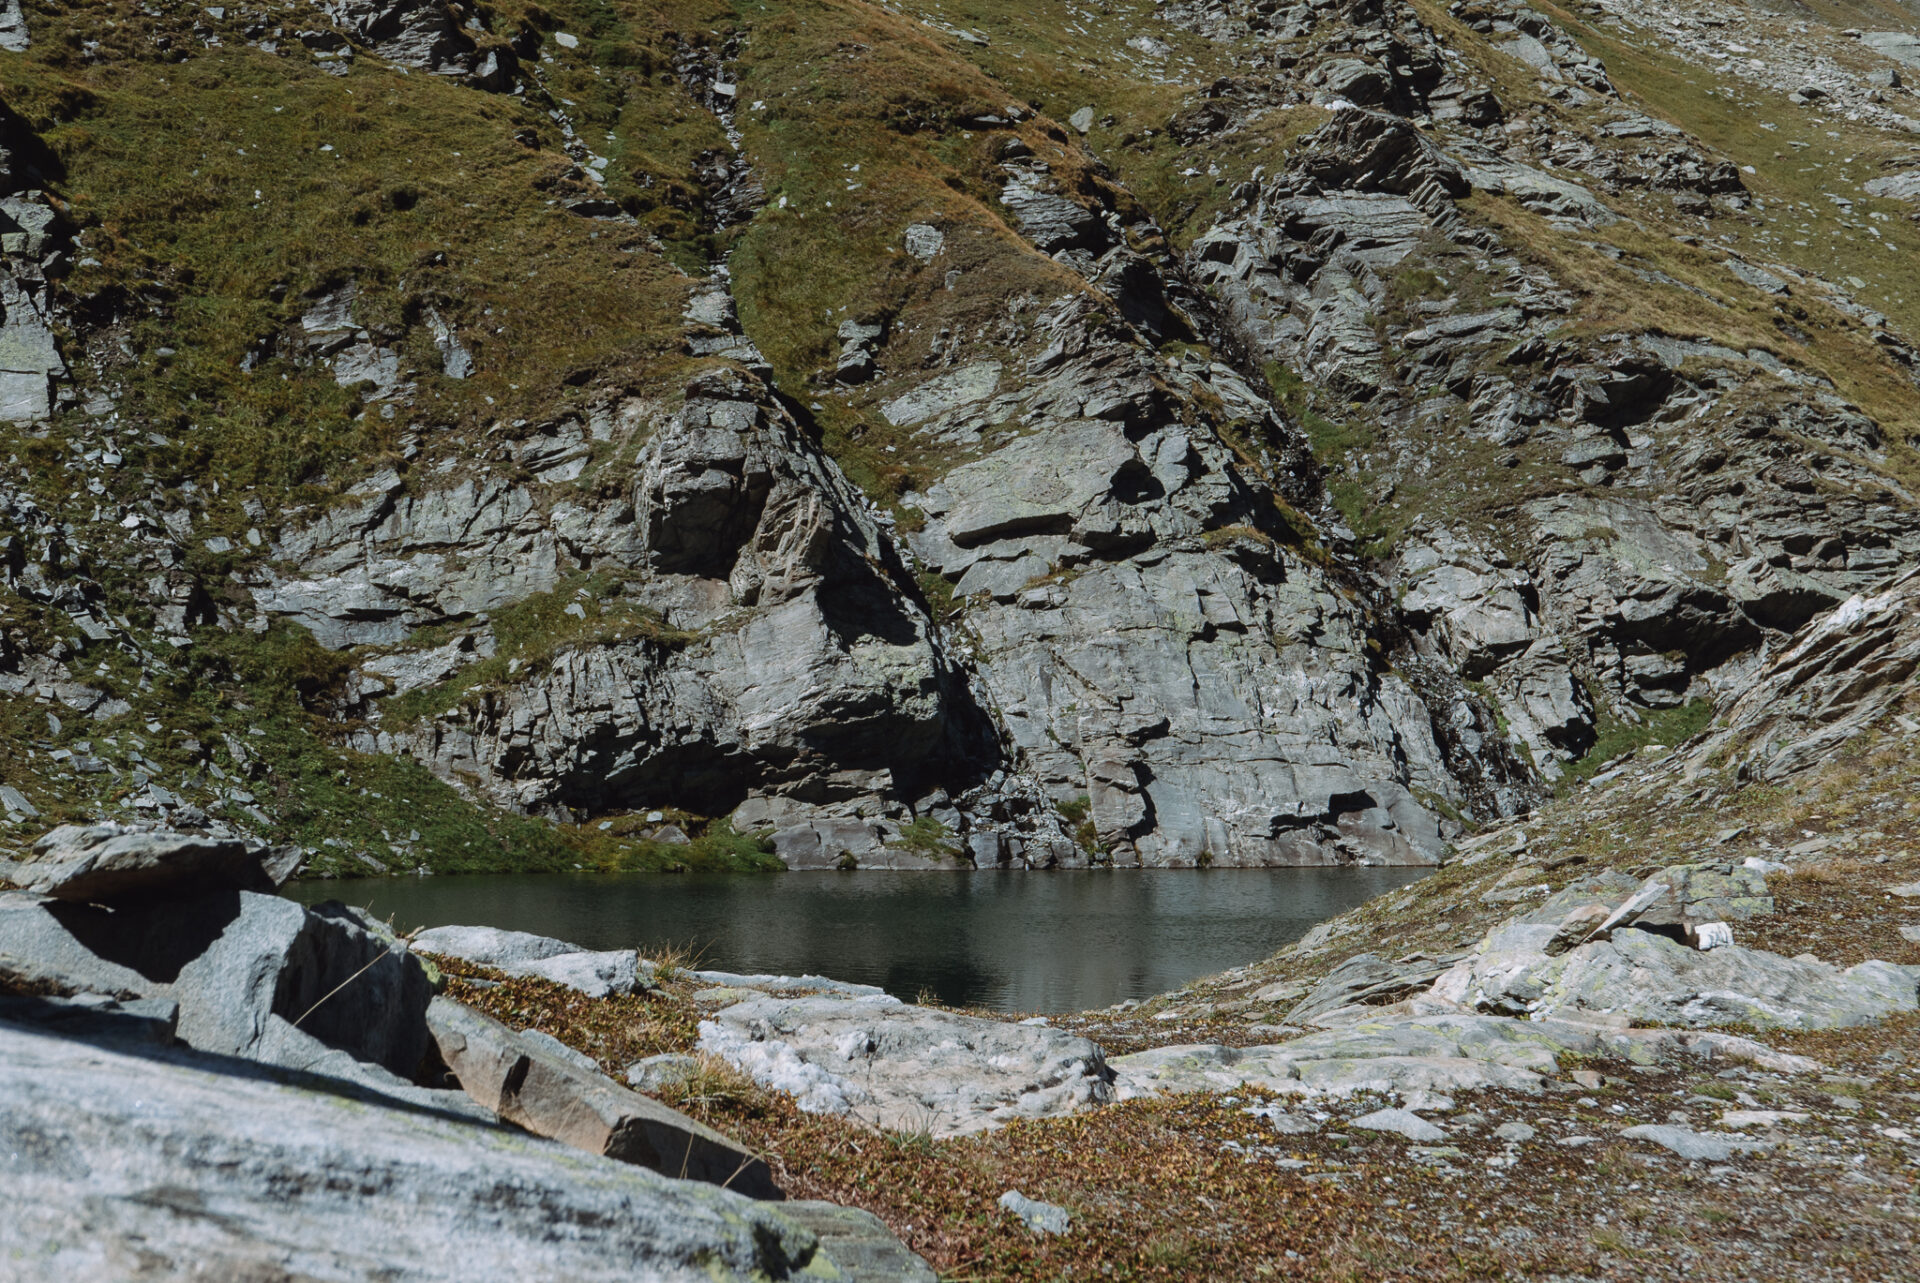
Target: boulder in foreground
pixel 168 1164
pixel 526 1083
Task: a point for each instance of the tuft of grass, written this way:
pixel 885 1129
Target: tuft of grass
pixel 625 845
pixel 583 610
pixel 1617 737
pixel 926 835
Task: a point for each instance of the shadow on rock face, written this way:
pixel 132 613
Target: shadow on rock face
pixel 156 939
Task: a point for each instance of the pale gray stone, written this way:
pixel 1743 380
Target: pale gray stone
pixel 654 1073
pixel 1697 1146
pixel 234 962
pixel 903 1067
pixel 924 241
pixel 858 1243
pixel 597 974
pixel 103 862
pixel 968 385
pixel 1842 673
pixel 1400 1122
pixel 255 1173
pixel 1041 1218
pixel 13 33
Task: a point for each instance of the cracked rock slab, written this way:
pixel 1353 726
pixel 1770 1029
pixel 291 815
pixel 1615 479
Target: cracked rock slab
pixel 907 1068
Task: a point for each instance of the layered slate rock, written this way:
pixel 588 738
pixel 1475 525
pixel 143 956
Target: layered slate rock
pixel 894 1065
pixel 1147 638
pixel 1842 673
pixel 549 1092
pixel 169 1164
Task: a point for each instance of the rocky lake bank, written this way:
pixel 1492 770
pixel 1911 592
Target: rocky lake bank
pixel 1605 1043
pixel 1038 445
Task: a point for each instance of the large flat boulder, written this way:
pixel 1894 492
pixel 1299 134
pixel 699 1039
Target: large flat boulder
pixel 597 973
pixel 117 1165
pixel 554 1096
pixel 904 1067
pixel 101 862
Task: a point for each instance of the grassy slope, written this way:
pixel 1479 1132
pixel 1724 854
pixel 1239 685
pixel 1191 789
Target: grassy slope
pixel 428 198
pixel 425 194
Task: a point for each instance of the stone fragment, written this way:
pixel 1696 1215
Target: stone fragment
pixel 652 1074
pixel 1894 186
pixel 947 392
pixel 1901 46
pixel 1696 1146
pixel 1400 1122
pixel 858 1243
pixel 1515 1133
pixel 925 241
pixel 1739 1118
pixel 1051 221
pixel 1364 978
pixel 1644 976
pixel 1041 1218
pixel 13 33
pixel 235 962
pixel 524 1083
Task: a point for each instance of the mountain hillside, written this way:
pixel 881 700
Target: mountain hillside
pixel 656 435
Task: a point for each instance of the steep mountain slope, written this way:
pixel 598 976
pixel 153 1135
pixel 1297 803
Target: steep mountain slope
pixel 462 436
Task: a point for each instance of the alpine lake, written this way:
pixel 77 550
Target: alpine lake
pixel 1006 940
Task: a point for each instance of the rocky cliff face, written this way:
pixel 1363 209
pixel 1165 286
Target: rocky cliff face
pixel 1193 434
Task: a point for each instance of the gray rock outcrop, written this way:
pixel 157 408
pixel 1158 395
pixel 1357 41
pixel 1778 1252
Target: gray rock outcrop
pixel 1840 675
pixel 792 657
pixel 428 35
pixel 242 968
pixel 903 1067
pixel 1649 979
pixel 1425 1047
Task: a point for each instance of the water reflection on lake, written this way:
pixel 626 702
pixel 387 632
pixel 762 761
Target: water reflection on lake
pixel 1012 941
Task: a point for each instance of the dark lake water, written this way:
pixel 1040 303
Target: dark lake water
pixel 1012 941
